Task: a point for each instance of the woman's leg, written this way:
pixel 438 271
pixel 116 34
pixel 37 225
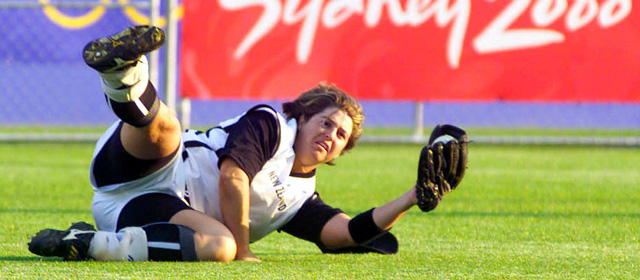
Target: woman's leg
pixel 166 219
pixel 213 241
pixel 157 140
pixel 150 134
pixel 151 130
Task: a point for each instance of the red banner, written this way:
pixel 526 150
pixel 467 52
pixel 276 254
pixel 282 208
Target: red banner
pixel 428 50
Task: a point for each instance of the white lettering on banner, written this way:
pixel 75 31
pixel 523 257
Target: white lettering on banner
pixel 543 13
pixel 581 13
pixel 497 36
pixel 613 12
pixel 267 21
pixel 311 15
pixel 419 11
pixel 338 11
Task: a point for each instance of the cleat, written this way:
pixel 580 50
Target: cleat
pixel 71 244
pixel 124 49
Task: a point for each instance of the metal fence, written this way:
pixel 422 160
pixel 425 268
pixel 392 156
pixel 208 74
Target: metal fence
pixel 45 83
pixel 44 80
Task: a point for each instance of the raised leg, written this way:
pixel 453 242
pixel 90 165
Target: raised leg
pixel 151 130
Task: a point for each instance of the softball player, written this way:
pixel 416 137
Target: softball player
pixel 163 194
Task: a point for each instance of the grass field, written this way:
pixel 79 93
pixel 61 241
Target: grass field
pixel 521 213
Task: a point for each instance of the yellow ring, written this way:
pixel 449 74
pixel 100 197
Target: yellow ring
pixel 139 18
pixel 73 22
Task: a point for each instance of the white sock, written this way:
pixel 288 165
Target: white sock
pixel 132 246
pixel 127 85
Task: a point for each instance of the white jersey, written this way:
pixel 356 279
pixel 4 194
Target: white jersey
pixel 275 196
pixel 193 175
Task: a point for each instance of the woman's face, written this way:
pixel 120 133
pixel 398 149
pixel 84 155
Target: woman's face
pixel 321 139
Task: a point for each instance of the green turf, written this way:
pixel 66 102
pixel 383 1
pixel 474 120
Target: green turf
pixel 519 131
pixel 477 131
pixel 51 129
pixel 521 213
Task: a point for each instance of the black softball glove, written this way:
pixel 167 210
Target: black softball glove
pixel 442 164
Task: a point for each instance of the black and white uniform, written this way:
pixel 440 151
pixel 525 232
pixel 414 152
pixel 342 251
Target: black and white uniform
pixel 260 141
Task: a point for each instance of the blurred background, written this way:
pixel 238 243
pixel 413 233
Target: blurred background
pixel 546 72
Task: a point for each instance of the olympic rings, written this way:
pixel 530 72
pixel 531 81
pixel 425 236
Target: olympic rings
pixel 73 22
pixel 95 14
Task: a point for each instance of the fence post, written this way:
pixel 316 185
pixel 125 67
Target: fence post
pixel 171 55
pixel 419 121
pixel 154 57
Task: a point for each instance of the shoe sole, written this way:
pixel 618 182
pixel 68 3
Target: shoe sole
pixel 122 49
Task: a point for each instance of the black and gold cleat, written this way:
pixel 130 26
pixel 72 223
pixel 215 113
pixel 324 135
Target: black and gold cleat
pixel 71 244
pixel 122 50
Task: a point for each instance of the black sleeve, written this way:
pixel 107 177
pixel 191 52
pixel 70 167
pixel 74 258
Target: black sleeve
pixel 252 141
pixel 314 214
pixel 307 224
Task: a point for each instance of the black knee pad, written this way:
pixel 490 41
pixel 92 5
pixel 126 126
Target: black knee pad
pixel 138 113
pixel 170 242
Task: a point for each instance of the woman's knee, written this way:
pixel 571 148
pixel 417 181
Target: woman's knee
pixel 157 140
pixel 213 241
pixel 215 248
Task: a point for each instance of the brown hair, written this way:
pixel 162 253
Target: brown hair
pixel 322 97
